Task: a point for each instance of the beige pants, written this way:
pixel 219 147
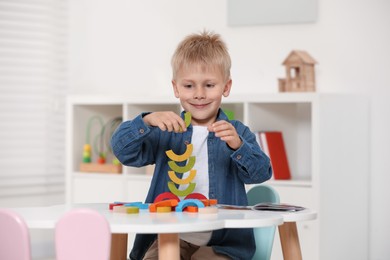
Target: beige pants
pixel 188 251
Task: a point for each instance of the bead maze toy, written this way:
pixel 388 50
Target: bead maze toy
pixel 100 147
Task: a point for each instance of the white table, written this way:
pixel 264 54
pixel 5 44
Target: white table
pixel 167 225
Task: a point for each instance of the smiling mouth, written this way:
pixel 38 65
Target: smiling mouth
pixel 199 105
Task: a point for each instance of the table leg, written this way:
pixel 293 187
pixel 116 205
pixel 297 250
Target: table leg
pixel 118 247
pixel 168 247
pixel 289 240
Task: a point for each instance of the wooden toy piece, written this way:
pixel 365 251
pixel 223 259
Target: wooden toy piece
pixel 163 209
pixel 180 158
pixel 181 193
pixel 187 118
pixel 191 209
pixel 190 202
pixel 213 202
pixel 139 205
pixel 177 180
pixel 299 73
pixel 132 210
pixel 166 196
pixel 164 203
pixel 87 153
pixel 115 161
pixel 208 210
pixel 206 203
pixel 127 202
pixel 119 209
pixel 112 205
pixel 101 159
pixel 196 195
pixel 182 169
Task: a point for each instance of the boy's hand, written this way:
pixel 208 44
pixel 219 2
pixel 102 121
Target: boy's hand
pixel 166 121
pixel 227 133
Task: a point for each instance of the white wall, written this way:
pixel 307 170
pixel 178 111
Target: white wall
pixel 123 47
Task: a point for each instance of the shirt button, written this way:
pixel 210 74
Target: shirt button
pixel 142 131
pixel 238 157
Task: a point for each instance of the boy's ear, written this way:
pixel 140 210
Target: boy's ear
pixel 227 88
pixel 175 89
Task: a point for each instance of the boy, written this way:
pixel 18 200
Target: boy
pixel 226 151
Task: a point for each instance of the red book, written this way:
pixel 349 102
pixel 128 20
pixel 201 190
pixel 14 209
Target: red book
pixel 273 145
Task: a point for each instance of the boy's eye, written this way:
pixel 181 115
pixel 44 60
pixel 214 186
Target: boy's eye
pixel 209 85
pixel 187 85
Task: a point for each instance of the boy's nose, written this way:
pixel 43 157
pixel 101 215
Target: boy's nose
pixel 199 93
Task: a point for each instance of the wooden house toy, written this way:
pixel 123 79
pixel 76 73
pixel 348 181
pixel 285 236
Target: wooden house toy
pixel 299 73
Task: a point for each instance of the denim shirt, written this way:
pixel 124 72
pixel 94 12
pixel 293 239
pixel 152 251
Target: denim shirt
pixel 136 144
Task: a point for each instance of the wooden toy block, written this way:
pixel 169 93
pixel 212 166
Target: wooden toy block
pixel 190 202
pixel 196 195
pixel 187 118
pixel 213 202
pixel 180 158
pixel 177 180
pixel 127 202
pixel 181 193
pixel 132 210
pixel 164 203
pixel 191 209
pixel 164 209
pixel 208 210
pixel 182 169
pixel 166 196
pixel 119 209
pixel 112 205
pixel 139 205
pixel 206 203
pixel 100 168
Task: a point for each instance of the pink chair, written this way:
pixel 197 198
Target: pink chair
pixel 14 236
pixel 82 234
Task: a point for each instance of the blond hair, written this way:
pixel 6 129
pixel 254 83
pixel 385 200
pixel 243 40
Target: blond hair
pixel 206 49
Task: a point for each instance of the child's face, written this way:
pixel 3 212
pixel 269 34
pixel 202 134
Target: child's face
pixel 200 90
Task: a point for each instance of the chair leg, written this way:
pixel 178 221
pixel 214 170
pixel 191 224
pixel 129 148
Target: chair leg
pixel 290 241
pixel 118 247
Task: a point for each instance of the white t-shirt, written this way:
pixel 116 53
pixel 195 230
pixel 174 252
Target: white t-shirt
pixel 199 142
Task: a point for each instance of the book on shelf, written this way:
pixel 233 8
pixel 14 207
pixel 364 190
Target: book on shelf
pixel 272 144
pixel 264 206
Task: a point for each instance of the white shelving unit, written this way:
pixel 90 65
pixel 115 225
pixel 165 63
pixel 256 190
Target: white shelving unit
pixel 326 138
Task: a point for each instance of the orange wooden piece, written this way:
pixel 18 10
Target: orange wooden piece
pixel 165 203
pixel 213 202
pixel 192 209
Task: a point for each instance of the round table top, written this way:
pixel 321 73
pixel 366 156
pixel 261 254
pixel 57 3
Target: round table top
pixel 173 222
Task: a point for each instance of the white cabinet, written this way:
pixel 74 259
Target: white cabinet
pixel 326 138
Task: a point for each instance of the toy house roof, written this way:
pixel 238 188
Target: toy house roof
pixel 302 55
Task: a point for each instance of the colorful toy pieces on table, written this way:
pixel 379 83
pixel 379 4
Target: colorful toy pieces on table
pixel 170 201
